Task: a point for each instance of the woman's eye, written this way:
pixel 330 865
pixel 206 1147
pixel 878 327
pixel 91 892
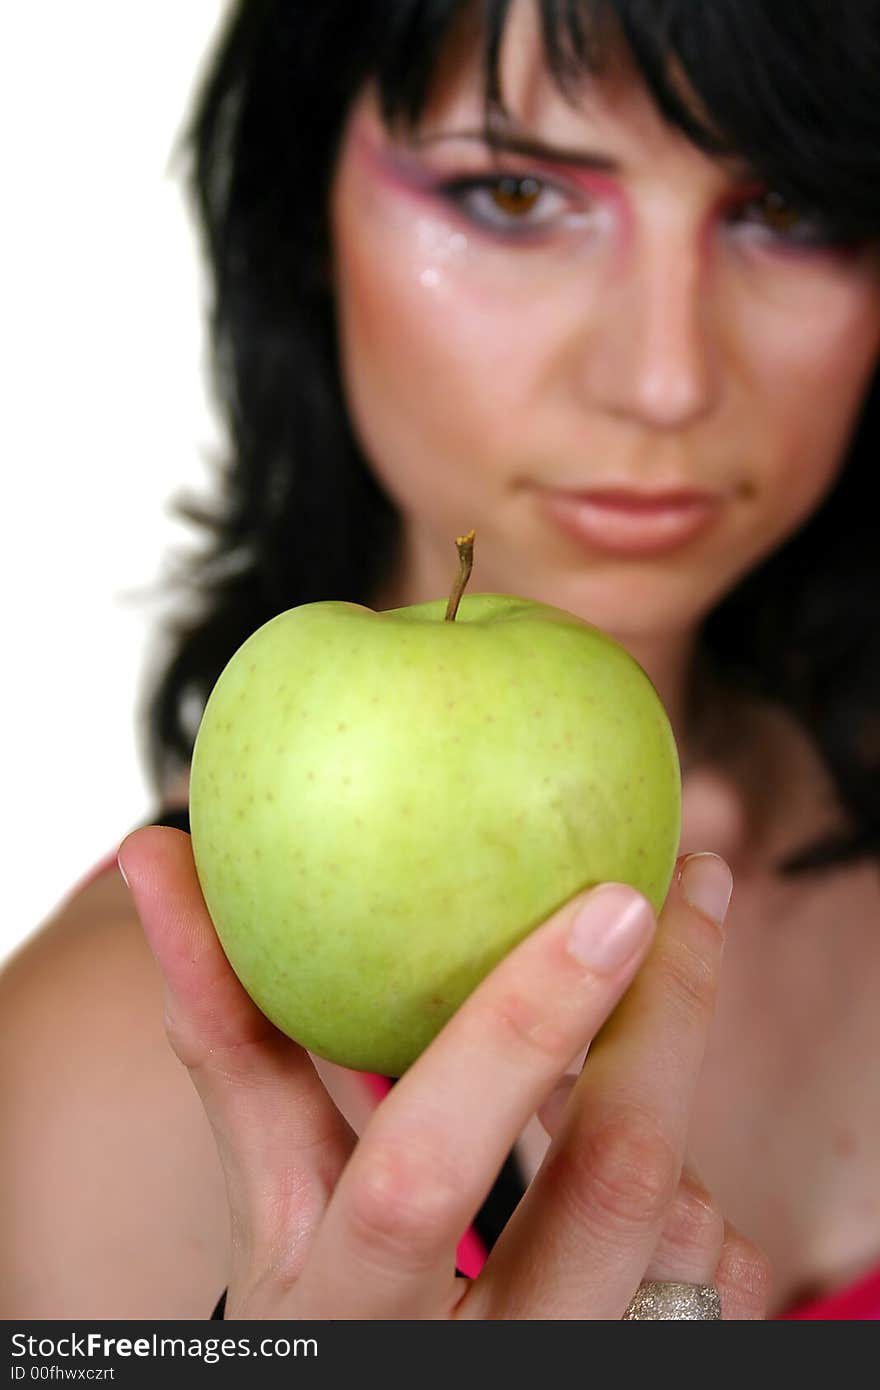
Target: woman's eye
pixel 772 214
pixel 509 202
pixel 516 197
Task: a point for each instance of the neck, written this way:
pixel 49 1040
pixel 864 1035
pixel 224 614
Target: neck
pixel 681 677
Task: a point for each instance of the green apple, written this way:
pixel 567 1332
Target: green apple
pixel 383 804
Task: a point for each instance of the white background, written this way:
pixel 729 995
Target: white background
pixel 104 413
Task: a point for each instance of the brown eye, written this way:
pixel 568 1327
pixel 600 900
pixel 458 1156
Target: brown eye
pixel 518 206
pixel 516 197
pixel 774 217
pixel 777 214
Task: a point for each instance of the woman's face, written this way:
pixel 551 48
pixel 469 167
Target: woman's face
pixel 618 312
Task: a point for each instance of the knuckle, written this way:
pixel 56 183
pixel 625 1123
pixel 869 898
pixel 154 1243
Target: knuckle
pixel 627 1171
pixel 515 1022
pixel 690 979
pixel 179 1032
pixel 402 1204
pixel 696 1222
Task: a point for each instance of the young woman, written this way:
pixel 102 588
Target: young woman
pixel 600 280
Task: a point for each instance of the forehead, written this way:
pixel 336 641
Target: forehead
pixel 612 106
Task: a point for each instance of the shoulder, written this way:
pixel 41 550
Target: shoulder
pixel 91 947
pixel 111 1193
pixel 92 944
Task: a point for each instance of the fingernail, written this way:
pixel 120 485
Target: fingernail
pixel 707 883
pixel 611 925
pixel 121 870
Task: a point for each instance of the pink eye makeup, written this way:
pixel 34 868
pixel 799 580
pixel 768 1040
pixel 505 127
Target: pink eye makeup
pixel 510 201
pixel 765 218
pixel 519 193
pixel 517 207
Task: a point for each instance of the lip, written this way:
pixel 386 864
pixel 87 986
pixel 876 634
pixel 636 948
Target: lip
pixel 631 521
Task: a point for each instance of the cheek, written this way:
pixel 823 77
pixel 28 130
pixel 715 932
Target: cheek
pixel 437 361
pixel 810 363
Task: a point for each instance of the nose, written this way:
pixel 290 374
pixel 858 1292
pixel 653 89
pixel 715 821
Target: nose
pixel 651 358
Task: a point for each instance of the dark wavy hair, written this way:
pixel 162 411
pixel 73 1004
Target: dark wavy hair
pixel 789 86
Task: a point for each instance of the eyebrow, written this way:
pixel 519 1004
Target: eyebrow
pixel 738 170
pixel 511 143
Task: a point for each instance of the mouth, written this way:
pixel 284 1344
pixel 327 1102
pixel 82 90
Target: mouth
pixel 631 521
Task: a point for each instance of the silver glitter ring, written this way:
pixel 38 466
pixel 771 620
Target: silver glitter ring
pixel 662 1300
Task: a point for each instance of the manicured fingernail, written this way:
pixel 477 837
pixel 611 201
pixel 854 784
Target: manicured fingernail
pixel 707 883
pixel 611 925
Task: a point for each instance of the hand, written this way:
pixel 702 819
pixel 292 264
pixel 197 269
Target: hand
pixel 326 1225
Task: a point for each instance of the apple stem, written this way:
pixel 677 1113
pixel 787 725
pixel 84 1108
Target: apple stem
pixel 465 546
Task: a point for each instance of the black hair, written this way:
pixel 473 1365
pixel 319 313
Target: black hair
pixel 788 86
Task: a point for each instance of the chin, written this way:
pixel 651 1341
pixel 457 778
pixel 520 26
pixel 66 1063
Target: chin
pixel 638 609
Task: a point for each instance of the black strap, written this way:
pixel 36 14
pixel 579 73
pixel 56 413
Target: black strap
pixel 501 1202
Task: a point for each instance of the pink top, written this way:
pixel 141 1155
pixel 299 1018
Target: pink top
pixel 858 1302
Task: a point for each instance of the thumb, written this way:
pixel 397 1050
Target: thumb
pixel 262 1095
pixel 208 1013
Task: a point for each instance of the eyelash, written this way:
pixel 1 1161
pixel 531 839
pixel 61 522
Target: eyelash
pixel 463 192
pixel 812 230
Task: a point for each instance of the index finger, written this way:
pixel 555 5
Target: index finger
pixel 601 1197
pixel 432 1150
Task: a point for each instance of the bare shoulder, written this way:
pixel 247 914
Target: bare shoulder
pixel 112 1200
